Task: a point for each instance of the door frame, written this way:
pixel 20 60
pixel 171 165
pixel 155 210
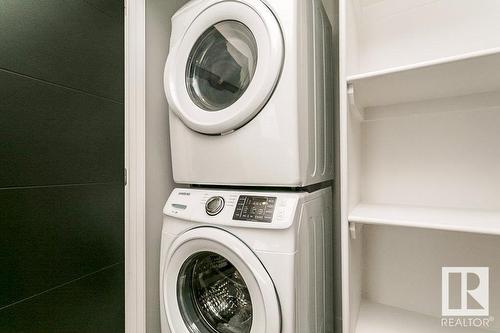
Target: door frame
pixel 135 164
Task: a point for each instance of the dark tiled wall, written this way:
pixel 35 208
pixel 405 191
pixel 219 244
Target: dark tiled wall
pixel 61 166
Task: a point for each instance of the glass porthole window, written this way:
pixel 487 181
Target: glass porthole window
pixel 212 295
pixel 221 65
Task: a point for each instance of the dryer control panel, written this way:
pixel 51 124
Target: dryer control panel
pixel 254 208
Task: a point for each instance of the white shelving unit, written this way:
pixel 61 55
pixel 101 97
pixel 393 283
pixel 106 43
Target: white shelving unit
pixel 420 157
pixel 395 276
pixel 379 318
pixel 461 75
pixel 464 220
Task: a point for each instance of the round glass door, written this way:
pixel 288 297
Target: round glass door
pixel 213 296
pixel 224 66
pixel 221 65
pixel 213 283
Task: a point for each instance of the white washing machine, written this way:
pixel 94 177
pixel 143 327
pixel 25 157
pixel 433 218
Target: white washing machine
pixel 250 89
pixel 247 262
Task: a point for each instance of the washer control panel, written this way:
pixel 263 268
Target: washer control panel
pixel 214 205
pixel 255 208
pixel 245 209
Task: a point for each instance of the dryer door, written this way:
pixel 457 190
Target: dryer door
pixel 213 283
pixel 224 68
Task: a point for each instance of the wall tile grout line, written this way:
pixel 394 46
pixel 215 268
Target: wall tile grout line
pixel 7 188
pixel 61 86
pixel 94 7
pixel 59 286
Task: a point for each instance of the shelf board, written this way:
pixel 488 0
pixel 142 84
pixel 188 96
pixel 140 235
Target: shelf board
pixel 467 74
pixel 464 220
pixel 378 318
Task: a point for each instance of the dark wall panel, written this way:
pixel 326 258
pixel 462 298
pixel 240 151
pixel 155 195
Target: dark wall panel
pixel 51 235
pixel 62 166
pixel 75 43
pixel 93 304
pixel 112 8
pixel 53 135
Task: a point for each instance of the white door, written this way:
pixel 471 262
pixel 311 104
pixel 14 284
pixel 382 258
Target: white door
pixel 224 68
pixel 213 283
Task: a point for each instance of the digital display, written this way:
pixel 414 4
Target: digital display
pixel 254 209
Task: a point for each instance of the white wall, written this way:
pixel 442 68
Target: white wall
pixel 159 180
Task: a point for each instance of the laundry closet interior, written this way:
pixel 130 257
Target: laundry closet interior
pixel 420 157
pixel 245 240
pixel 417 155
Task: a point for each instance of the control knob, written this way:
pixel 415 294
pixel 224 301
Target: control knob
pixel 214 205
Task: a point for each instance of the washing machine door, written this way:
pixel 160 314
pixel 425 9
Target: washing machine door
pixel 213 283
pixel 225 67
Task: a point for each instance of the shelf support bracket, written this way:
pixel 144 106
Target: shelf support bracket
pixel 358 111
pixel 353 230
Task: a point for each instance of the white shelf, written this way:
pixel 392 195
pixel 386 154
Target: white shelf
pixel 464 220
pixel 378 318
pixel 467 74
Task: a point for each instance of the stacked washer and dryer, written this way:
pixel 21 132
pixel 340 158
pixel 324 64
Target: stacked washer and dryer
pixel 247 246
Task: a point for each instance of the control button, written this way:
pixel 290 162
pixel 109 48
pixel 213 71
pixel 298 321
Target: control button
pixel 214 205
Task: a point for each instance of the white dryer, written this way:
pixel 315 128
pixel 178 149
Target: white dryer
pixel 250 89
pixel 247 262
